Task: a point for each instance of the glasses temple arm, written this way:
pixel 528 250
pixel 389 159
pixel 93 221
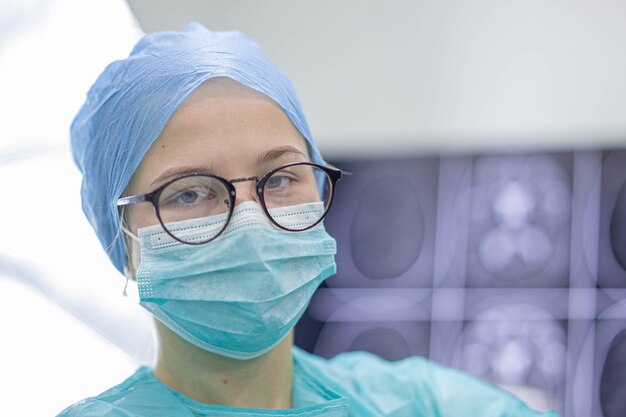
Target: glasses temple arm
pixel 133 199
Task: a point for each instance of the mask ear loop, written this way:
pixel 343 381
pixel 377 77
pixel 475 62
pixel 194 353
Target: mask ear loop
pixel 127 273
pixel 126 270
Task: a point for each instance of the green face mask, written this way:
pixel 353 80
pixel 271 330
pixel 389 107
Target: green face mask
pixel 240 294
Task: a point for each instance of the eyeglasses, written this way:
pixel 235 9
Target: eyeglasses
pixel 307 186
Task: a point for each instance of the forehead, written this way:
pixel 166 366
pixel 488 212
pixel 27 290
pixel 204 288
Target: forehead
pixel 222 87
pixel 223 126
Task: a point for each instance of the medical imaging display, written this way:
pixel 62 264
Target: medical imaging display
pixel 385 224
pixel 519 222
pixel 511 267
pixel 613 378
pixel 612 255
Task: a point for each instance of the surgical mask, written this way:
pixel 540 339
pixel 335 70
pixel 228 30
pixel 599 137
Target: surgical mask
pixel 239 295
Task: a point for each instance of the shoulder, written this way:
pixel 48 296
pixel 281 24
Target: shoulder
pixel 415 386
pixel 92 407
pixel 139 395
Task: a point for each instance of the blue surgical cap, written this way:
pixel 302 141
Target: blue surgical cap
pixel 132 100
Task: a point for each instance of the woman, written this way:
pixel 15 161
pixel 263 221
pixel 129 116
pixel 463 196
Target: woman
pixel 203 182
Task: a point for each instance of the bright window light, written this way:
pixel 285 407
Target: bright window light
pixel 67 331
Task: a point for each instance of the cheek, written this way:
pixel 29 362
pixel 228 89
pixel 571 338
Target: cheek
pixel 141 215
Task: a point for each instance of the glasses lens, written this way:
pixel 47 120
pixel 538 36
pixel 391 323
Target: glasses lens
pixel 194 209
pixel 293 198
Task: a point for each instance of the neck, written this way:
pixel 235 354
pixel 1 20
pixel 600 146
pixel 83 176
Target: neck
pixel 263 382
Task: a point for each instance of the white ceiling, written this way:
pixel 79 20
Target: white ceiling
pixel 426 76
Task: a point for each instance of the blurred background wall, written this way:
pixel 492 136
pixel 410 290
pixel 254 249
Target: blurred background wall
pixel 415 76
pixel 484 222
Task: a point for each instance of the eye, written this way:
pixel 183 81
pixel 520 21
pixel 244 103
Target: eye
pixel 188 196
pixel 277 181
pixel 191 196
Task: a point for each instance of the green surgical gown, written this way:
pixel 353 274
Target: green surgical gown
pixel 355 384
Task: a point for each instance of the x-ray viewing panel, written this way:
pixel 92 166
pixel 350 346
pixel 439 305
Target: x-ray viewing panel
pixel 598 360
pixel 609 361
pixel 515 338
pixel 384 218
pixel 390 340
pixel 613 376
pixel 390 322
pixel 369 304
pixel 453 203
pixel 612 251
pixel 507 266
pixel 520 221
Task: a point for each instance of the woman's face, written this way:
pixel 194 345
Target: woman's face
pixel 223 128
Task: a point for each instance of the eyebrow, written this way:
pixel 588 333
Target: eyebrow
pixel 278 152
pixel 180 171
pixel 269 156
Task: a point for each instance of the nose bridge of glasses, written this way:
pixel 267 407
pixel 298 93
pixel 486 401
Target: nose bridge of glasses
pixel 249 192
